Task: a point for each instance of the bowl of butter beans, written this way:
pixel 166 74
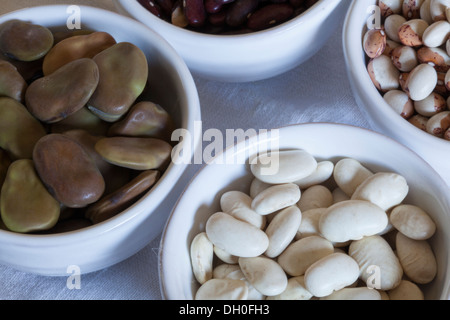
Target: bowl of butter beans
pixel 310 212
pixel 240 40
pixel 86 117
pixel 397 54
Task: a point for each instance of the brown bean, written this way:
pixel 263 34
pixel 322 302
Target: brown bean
pixel 195 12
pixel 269 16
pixel 239 10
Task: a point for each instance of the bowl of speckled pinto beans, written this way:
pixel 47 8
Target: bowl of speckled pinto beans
pixel 241 40
pixel 397 55
pixel 310 211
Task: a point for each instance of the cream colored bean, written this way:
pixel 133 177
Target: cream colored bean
pixel 264 274
pixel 283 166
pixel 295 290
pixel 383 73
pixel 406 290
pixel 331 273
pixel 301 254
pixel 391 26
pixel 349 174
pixel 438 9
pixel 411 32
pixel 202 255
pixel 317 196
pixel 275 198
pixel 425 13
pixel 404 58
pixel 323 172
pixel 352 220
pixel 374 42
pixel 360 293
pixel 236 237
pixel 222 289
pixel 385 189
pixel 282 229
pixel 413 222
pixel 225 256
pixel 431 105
pixel 253 294
pixel 257 186
pixel 339 195
pixel 417 259
pixel 389 7
pixel 309 225
pixel 436 34
pixel 375 251
pixel 438 124
pixel 421 82
pixel 400 103
pixel 238 205
pixel 224 269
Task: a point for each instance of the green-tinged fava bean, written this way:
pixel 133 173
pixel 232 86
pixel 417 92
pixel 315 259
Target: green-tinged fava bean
pixel 145 119
pixel 24 41
pixel 64 92
pixel 123 77
pixel 12 84
pixel 82 119
pixel 114 203
pixel 76 47
pixel 26 205
pixel 19 130
pixel 4 164
pixel 68 171
pixel 135 153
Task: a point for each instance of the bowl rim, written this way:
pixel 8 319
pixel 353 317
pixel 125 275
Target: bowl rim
pixel 135 9
pixel 238 145
pixel 353 51
pixel 163 186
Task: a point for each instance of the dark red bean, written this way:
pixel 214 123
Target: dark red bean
pixel 217 19
pixel 195 12
pixel 166 6
pixel 239 10
pixel 269 16
pixel 214 6
pixel 297 3
pixel 151 6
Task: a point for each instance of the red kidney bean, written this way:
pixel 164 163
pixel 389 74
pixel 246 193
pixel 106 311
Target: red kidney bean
pixel 270 15
pixel 217 19
pixel 166 6
pixel 214 6
pixel 151 6
pixel 297 3
pixel 195 12
pixel 239 11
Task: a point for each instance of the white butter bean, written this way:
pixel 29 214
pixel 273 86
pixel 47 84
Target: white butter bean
pixel 400 103
pixel 436 34
pixel 317 196
pixel 236 237
pixel 283 166
pixel 224 269
pixel 352 220
pixel 257 186
pixel 253 294
pixel 264 274
pixel 310 223
pixel 222 289
pixel 295 290
pixel 282 230
pixel 339 195
pixel 202 257
pixel 406 290
pixel 275 198
pixel 385 189
pixel 238 205
pixel 413 222
pixel 349 174
pixel 323 172
pixel 383 73
pixel 225 256
pixel 331 273
pixel 301 254
pixel 421 82
pixel 375 251
pixel 360 293
pixel 417 259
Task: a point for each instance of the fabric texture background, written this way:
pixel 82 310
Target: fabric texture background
pixel 317 91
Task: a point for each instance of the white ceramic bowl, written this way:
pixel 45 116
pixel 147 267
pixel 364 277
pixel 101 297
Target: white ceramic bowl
pixel 249 57
pixel 324 141
pixel 114 240
pixel 380 114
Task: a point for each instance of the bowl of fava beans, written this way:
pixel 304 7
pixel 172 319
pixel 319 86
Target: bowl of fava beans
pixel 397 54
pixel 314 211
pixel 240 40
pixel 86 117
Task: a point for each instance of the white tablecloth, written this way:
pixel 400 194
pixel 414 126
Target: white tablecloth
pixel 317 91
